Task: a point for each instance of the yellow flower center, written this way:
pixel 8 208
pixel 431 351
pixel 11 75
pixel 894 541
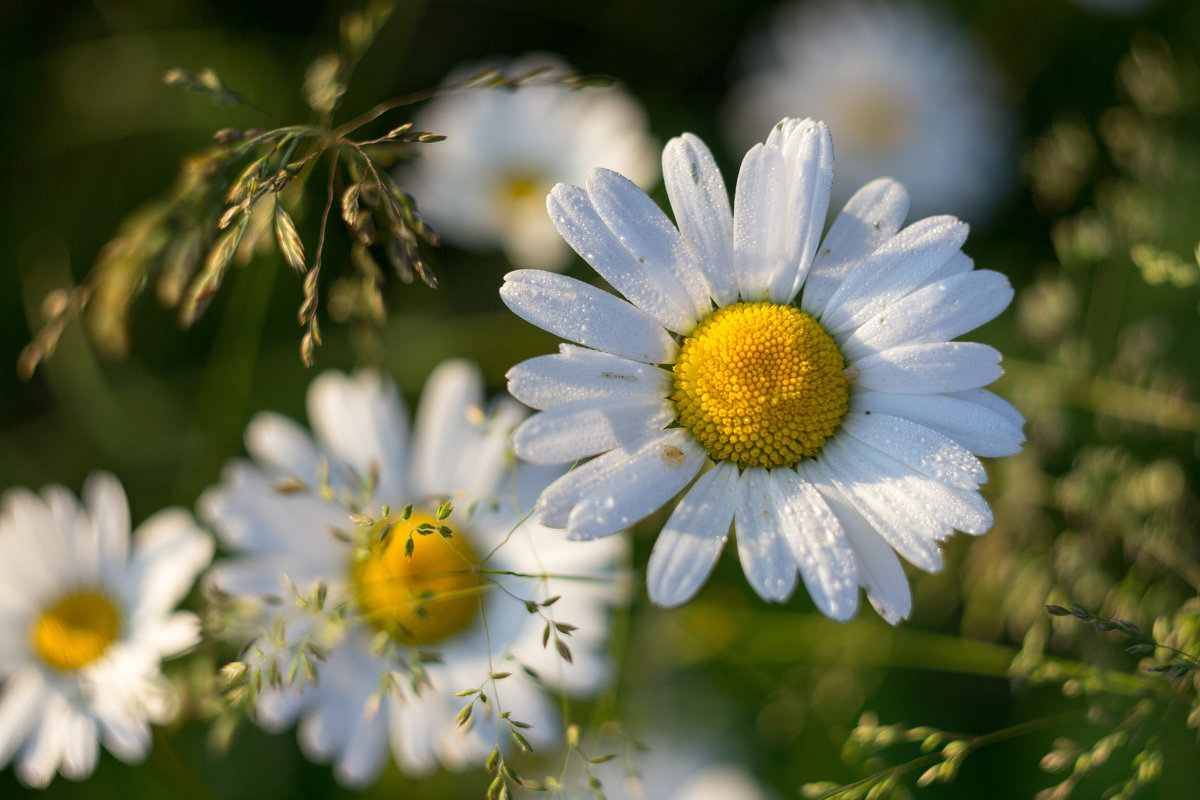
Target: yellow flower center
pixel 422 598
pixel 76 630
pixel 760 384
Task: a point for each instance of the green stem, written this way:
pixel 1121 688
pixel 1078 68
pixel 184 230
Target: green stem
pixel 973 744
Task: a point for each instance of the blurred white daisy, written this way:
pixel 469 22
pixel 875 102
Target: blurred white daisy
pixel 814 391
pixel 483 187
pixel 908 94
pixel 668 774
pixel 463 598
pixel 86 617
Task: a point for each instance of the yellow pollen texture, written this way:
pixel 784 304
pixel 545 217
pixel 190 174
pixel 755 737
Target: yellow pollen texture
pixel 420 599
pixel 760 384
pixel 76 630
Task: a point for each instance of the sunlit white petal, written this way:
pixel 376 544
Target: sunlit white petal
pixel 702 212
pixel 686 550
pixel 586 315
pixel 576 372
pixel 767 560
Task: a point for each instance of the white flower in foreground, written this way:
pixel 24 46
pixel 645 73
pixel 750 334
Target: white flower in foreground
pixel 86 618
pixel 909 95
pixel 814 391
pixel 483 187
pixel 451 598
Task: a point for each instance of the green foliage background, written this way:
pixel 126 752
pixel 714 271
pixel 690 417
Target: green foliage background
pixel 1101 356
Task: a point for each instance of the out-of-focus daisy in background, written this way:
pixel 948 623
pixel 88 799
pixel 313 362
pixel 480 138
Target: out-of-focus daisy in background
pixel 86 617
pixel 821 407
pixel 667 767
pixel 472 598
pixel 485 186
pixel 908 94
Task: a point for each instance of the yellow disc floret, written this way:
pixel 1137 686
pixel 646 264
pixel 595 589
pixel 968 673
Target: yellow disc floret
pixel 76 630
pixel 760 384
pixel 422 598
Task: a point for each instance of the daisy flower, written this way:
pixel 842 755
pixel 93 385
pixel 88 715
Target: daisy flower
pixel 482 188
pixel 88 617
pixel 909 94
pixel 665 773
pixel 810 396
pixel 472 597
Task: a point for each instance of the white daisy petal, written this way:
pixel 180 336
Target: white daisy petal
pixel 878 568
pixel 883 574
pixel 870 218
pixel 943 507
pixel 783 130
pixel 766 558
pixel 452 395
pixel 109 508
pixel 963 509
pixel 910 529
pixel 169 551
pixel 759 220
pixel 125 736
pixel 576 372
pixel 361 420
pixel 903 263
pixel 282 445
pixel 700 201
pixel 555 502
pixel 262 576
pixel 327 727
pixel 586 427
pixel 993 403
pixel 78 540
pixel 635 261
pixel 971 424
pixel 939 311
pixel 277 711
pixel 253 515
pixel 650 237
pixel 410 719
pixel 653 473
pixel 935 368
pixel 39 758
pixel 80 748
pixel 921 448
pixel 809 152
pixel 586 315
pixel 20 704
pixel 957 264
pixel 687 549
pixel 817 542
pixel 364 755
pixel 487 465
pixel 177 633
